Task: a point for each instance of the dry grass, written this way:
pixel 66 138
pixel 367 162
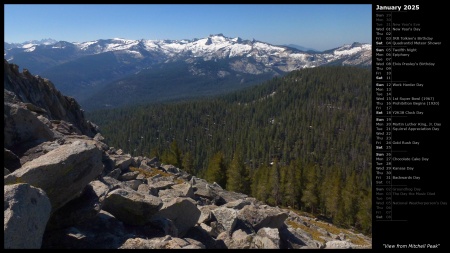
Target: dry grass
pixel 355 239
pixel 329 228
pixel 316 235
pixel 153 172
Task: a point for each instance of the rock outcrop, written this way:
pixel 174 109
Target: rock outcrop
pixel 40 97
pixel 65 188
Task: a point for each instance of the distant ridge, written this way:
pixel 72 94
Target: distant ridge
pixel 123 69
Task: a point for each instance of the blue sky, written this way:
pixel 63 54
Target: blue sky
pixel 318 26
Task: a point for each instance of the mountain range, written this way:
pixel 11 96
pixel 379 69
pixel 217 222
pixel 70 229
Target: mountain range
pixel 116 72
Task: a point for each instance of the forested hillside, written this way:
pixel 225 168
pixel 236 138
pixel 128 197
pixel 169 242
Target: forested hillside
pixel 302 140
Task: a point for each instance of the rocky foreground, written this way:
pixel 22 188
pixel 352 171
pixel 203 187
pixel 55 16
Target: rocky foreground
pixel 65 188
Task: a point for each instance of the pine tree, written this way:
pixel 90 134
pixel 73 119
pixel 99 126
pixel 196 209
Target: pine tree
pixel 216 171
pixel 292 187
pixel 349 199
pixel 237 175
pixel 188 164
pixel 310 193
pixel 260 183
pixel 274 181
pixel 364 215
pixel 332 194
pixel 154 152
pixel 173 155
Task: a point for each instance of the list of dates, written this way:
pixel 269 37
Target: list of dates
pixel 409 134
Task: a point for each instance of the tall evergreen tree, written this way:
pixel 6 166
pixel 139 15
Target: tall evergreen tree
pixel 331 193
pixel 237 175
pixel 310 193
pixel 292 187
pixel 275 194
pixel 216 171
pixel 173 155
pixel 188 163
pixel 349 199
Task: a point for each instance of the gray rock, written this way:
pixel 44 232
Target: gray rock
pixel 338 245
pixel 240 240
pixel 267 238
pixel 34 108
pixel 228 196
pixel 193 244
pixel 145 189
pixel 131 207
pixel 153 162
pixel 216 186
pixel 21 126
pixel 144 166
pixel 182 211
pixel 129 176
pixel 133 184
pixel 199 234
pixel 192 181
pixel 185 189
pixel 161 185
pixel 260 242
pixel 142 178
pixel 99 137
pixel 26 212
pixel 100 189
pixel 203 191
pixel 122 161
pixel 184 176
pixel 115 173
pixel 137 161
pixel 322 231
pixel 259 218
pixel 166 242
pixel 206 214
pixel 139 243
pixel 171 169
pixel 156 178
pixel 62 173
pixel 226 218
pixel 115 184
pixel 64 127
pixel 237 204
pixel 169 194
pixel 212 232
pixel 38 150
pixel 6 171
pixel 291 238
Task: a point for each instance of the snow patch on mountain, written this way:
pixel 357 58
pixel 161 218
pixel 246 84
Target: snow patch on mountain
pixel 85 45
pixel 349 50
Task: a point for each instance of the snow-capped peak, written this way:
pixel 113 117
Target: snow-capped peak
pixel 352 49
